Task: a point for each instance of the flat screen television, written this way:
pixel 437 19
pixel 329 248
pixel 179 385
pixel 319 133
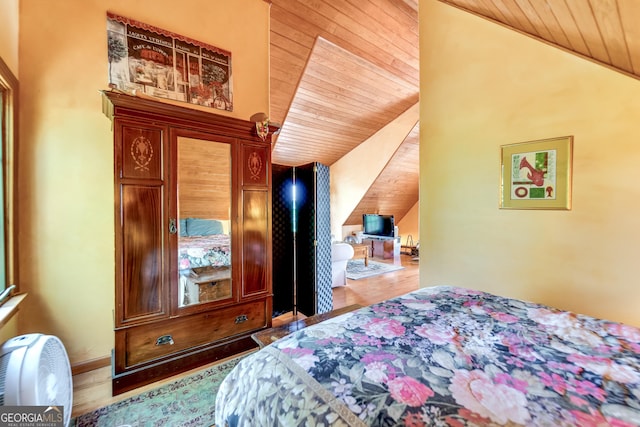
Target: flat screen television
pixel 378 225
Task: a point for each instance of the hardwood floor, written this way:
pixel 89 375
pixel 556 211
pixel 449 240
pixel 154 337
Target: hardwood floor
pixel 379 288
pixel 92 390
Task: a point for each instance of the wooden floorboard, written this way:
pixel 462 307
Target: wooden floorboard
pixel 92 390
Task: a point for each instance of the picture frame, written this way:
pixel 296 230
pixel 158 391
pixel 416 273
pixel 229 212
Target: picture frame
pixel 537 174
pixel 156 62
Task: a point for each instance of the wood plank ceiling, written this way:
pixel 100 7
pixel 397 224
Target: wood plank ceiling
pixel 343 69
pixel 340 71
pixel 604 31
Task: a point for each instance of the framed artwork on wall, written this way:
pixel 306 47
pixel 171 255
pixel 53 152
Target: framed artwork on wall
pixel 167 65
pixel 537 174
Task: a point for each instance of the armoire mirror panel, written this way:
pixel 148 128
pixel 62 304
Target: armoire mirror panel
pixel 204 221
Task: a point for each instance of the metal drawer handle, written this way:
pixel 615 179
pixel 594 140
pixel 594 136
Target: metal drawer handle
pixel 242 318
pixel 164 340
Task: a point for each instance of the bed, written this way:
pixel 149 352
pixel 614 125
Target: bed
pixel 442 356
pixel 202 251
pixel 204 257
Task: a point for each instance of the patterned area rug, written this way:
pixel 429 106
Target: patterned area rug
pixel 357 270
pixel 188 402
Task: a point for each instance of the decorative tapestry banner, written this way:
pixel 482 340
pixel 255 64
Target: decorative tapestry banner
pixel 167 65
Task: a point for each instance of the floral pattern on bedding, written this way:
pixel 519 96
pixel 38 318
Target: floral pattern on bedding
pixel 271 390
pixel 456 357
pixel 202 251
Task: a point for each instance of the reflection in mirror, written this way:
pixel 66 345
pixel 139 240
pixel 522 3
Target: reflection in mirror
pixel 204 206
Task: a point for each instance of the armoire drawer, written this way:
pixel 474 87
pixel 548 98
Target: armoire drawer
pixel 148 342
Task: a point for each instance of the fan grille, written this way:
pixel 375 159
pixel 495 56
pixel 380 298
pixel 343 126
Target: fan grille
pixel 35 371
pixel 4 362
pixel 54 383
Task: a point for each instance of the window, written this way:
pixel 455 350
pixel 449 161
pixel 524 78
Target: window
pixel 8 158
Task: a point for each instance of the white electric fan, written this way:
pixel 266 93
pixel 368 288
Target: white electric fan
pixel 35 371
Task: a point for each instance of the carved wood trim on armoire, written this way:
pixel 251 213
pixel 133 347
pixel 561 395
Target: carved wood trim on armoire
pixel 159 330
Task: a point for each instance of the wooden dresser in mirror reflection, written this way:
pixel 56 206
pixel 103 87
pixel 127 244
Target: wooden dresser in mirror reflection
pixel 192 237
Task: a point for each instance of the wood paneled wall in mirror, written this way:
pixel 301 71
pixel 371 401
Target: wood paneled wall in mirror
pixel 192 192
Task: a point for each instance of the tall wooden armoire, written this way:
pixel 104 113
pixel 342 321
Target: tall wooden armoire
pixel 302 239
pixel 192 237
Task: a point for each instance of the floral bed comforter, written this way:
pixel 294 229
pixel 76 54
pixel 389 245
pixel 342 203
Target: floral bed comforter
pixel 442 356
pixel 202 251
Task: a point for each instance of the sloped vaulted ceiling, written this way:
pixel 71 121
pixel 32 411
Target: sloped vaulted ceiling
pixel 343 69
pixel 340 71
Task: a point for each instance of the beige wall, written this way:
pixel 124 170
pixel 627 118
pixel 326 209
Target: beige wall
pixel 483 86
pixel 9 34
pixel 66 163
pixel 409 225
pixel 9 329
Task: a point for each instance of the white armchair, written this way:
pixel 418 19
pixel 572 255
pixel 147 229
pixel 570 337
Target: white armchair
pixel 340 254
